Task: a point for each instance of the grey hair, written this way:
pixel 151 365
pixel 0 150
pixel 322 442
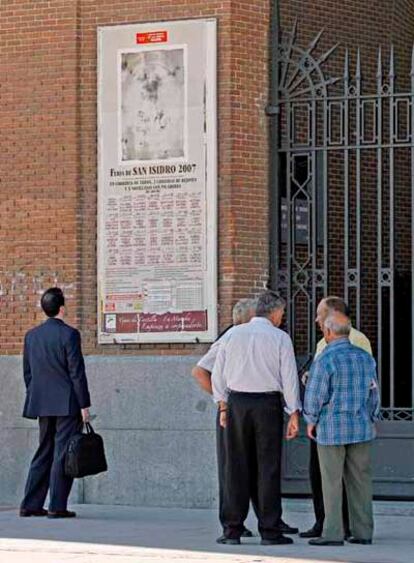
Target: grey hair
pixel 267 302
pixel 338 327
pixel 243 310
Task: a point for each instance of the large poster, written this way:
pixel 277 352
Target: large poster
pixel 157 182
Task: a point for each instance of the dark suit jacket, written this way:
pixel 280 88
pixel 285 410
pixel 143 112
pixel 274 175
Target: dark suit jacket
pixel 54 371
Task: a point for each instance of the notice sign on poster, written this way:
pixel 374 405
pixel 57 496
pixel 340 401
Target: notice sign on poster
pixel 157 182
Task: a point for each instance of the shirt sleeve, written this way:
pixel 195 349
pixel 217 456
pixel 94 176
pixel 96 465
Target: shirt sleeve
pixel 365 344
pixel 320 347
pixel 76 368
pixel 317 392
pixel 218 381
pixel 374 396
pixel 208 360
pixel 289 374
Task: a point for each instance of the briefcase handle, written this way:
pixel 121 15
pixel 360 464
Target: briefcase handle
pixel 88 428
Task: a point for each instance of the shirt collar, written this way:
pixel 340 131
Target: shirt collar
pixel 261 320
pixel 339 341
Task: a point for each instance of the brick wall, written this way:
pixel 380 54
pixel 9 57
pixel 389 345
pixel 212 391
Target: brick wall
pixel 48 142
pixel 48 182
pixel 40 175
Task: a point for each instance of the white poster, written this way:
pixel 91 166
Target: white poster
pixel 157 182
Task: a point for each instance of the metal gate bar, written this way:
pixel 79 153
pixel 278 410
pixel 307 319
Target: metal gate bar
pixel 412 224
pixel 379 217
pixel 357 272
pixel 391 225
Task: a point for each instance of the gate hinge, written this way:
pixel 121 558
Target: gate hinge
pixel 272 110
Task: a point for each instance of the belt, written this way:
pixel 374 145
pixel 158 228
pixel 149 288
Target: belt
pixel 255 394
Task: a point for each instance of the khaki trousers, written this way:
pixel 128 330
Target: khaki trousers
pixel 352 463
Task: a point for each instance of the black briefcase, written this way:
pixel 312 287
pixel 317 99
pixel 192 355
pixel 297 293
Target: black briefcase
pixel 85 454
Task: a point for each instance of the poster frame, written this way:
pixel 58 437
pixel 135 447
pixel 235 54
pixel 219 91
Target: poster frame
pixel 210 139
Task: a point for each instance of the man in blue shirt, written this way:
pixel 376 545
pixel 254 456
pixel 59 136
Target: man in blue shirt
pixel 341 404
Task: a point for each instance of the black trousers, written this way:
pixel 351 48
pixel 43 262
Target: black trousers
pixel 47 468
pixel 221 460
pixel 317 495
pixel 253 450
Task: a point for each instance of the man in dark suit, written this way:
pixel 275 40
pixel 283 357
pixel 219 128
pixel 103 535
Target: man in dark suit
pixel 58 395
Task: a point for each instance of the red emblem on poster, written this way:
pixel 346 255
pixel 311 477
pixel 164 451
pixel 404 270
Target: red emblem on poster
pixel 152 37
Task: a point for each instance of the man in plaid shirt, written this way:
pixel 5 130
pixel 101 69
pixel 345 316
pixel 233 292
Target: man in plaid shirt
pixel 342 403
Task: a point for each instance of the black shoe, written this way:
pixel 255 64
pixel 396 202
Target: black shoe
pixel 280 540
pixel 322 542
pixel 314 532
pixel 246 533
pixel 284 528
pixel 26 512
pixel 228 541
pixel 351 539
pixel 61 514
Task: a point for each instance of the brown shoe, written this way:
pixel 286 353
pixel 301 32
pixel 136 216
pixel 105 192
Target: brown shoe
pixel 26 512
pixel 61 514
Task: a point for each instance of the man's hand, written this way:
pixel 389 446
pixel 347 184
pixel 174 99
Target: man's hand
pixel 223 414
pixel 311 431
pixel 223 419
pixel 293 426
pixel 85 415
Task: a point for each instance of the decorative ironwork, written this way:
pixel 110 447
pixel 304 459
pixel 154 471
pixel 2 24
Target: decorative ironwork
pixel 396 414
pixel 323 118
pixel 353 277
pixel 385 277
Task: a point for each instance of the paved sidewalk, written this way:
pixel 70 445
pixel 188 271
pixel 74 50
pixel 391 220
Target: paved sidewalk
pixel 114 534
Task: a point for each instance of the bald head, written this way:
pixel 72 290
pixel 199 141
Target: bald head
pixel 330 304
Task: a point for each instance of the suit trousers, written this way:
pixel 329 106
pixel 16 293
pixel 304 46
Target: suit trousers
pixel 47 467
pixel 350 463
pixel 253 450
pixel 317 494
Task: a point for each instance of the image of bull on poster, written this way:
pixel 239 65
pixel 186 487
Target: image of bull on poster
pixel 152 104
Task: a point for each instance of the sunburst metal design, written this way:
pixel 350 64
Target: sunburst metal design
pixel 301 71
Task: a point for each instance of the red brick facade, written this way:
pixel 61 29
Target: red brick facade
pixel 48 142
pixel 48 147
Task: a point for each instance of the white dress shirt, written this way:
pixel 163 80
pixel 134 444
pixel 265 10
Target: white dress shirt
pixel 257 358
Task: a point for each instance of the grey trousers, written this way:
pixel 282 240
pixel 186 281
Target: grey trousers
pixel 352 463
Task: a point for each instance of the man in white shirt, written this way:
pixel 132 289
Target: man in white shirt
pixel 242 312
pixel 254 370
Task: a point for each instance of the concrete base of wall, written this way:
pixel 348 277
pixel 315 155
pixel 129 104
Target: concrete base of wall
pixel 158 428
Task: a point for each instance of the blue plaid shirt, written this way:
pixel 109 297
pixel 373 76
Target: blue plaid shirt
pixel 342 395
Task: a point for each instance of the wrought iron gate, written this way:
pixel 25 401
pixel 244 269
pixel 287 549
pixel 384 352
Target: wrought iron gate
pixel 346 203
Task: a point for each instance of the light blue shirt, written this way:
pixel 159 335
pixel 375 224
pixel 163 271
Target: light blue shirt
pixel 257 357
pixel 342 395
